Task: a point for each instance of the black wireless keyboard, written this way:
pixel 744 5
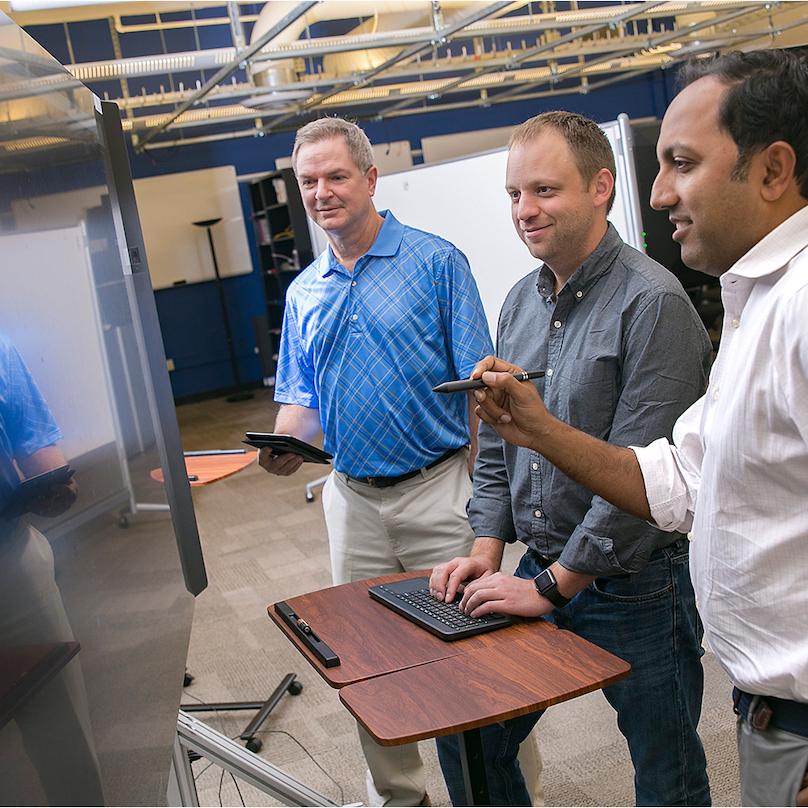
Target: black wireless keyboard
pixel 411 599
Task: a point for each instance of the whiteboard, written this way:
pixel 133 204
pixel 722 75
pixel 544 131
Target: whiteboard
pixel 179 252
pixel 465 202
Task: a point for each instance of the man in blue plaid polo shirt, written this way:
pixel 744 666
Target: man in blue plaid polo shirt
pixel 383 315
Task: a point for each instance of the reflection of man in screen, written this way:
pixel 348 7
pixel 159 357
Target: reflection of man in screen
pixel 54 724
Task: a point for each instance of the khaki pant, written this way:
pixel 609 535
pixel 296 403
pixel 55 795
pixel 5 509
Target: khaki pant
pixel 414 525
pixel 772 764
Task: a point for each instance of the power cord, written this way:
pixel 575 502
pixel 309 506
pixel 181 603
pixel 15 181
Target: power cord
pixel 311 757
pixel 235 783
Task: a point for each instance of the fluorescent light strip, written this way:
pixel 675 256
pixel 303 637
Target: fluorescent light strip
pixel 597 14
pixel 487 81
pixel 33 143
pixel 536 73
pixel 423 86
pixel 207 114
pixel 165 64
pixel 358 95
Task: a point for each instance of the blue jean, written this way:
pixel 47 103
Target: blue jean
pixel 651 622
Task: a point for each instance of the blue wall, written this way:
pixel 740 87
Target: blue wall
pixel 190 316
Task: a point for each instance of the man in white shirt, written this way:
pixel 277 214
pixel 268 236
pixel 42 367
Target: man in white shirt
pixel 733 154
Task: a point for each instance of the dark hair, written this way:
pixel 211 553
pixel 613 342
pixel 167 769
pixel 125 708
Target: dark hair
pixel 356 140
pixel 766 101
pixel 590 147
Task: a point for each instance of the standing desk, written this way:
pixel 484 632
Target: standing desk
pixel 403 684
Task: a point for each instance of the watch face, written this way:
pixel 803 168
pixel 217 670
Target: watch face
pixel 544 581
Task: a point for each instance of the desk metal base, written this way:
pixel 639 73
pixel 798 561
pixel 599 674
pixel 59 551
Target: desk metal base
pixel 205 741
pixel 473 763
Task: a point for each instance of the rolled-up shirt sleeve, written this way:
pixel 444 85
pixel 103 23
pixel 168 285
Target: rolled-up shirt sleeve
pixel 672 472
pixel 664 370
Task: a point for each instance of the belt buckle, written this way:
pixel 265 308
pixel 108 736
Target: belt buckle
pixel 371 482
pixel 762 715
pixel 758 713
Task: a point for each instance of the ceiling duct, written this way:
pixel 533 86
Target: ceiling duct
pixel 404 58
pixel 396 16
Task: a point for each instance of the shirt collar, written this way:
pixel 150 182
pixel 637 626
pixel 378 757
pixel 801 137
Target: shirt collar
pixel 596 265
pixel 774 250
pixel 386 244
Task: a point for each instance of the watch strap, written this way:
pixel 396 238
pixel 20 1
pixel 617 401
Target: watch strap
pixel 546 586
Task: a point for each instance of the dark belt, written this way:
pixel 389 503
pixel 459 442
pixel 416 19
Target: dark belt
pixel 768 711
pixel 386 482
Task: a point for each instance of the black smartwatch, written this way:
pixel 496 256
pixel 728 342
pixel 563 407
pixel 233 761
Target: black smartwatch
pixel 546 585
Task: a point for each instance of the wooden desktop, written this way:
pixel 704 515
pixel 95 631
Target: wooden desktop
pixel 403 684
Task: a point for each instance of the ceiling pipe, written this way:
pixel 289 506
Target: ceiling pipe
pixel 597 51
pixel 280 70
pixel 407 53
pixel 228 70
pixel 214 58
pixel 709 43
pixel 704 47
pixel 510 85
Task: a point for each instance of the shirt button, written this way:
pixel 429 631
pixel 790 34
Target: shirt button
pixel 549 371
pixel 354 316
pixel 537 514
pixel 579 294
pixel 736 323
pixel 534 466
pixel 715 395
pixel 353 283
pixel 557 324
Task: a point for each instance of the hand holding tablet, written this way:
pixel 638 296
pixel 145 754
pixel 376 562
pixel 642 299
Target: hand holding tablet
pixel 287 444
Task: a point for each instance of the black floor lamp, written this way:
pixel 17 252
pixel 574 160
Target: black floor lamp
pixel 208 224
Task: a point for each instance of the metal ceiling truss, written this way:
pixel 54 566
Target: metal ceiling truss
pixel 579 50
pixel 439 37
pixel 239 61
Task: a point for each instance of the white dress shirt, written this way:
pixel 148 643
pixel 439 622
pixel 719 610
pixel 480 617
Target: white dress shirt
pixel 737 474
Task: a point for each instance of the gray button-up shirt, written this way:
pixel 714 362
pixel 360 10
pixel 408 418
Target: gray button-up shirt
pixel 625 354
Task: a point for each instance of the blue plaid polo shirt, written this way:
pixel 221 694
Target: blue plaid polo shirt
pixel 26 423
pixel 367 347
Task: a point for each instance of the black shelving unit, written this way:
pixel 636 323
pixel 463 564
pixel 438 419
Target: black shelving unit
pixel 284 248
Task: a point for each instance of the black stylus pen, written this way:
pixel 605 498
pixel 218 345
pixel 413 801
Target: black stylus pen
pixel 476 384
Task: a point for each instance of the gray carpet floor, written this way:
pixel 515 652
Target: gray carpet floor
pixel 262 543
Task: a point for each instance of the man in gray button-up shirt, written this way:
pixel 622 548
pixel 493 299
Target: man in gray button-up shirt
pixel 625 354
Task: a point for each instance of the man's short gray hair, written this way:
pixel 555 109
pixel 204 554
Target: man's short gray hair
pixel 356 140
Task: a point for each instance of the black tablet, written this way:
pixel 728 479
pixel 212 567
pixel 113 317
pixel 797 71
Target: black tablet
pixel 286 444
pixel 35 486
